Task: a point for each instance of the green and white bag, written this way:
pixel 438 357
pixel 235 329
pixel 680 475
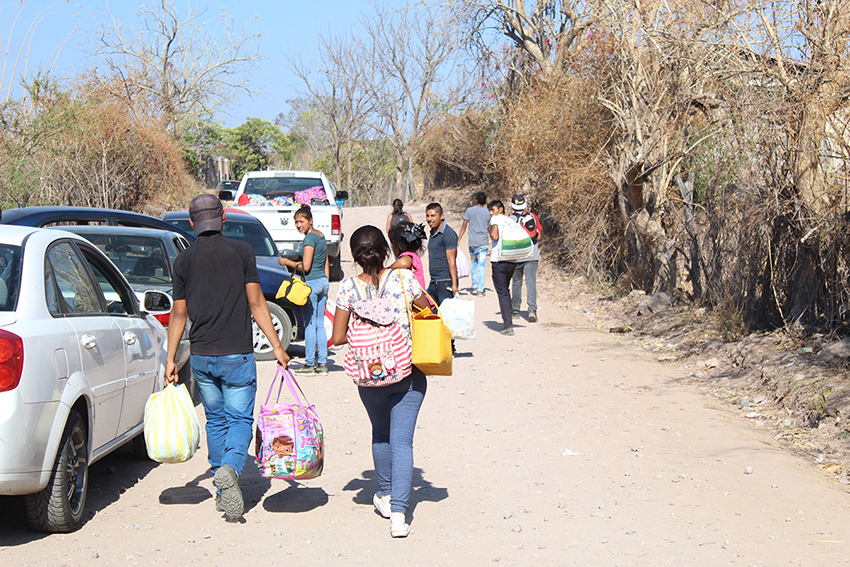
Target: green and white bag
pixel 515 243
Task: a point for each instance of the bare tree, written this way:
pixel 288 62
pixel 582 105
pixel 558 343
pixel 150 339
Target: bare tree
pixel 336 81
pixel 176 66
pixel 543 30
pixel 409 53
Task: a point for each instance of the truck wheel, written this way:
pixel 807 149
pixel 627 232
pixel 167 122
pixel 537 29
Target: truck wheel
pixel 262 346
pixel 59 507
pixel 335 269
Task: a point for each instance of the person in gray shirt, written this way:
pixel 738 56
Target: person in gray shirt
pixel 477 219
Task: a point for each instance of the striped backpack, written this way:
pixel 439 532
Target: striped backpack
pixel 378 351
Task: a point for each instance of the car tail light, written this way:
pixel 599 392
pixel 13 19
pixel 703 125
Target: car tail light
pixel 11 360
pixel 335 225
pixel 163 318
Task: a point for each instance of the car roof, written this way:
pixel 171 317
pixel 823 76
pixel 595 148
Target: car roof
pixel 119 230
pixel 181 215
pixel 288 172
pixel 39 216
pixel 17 235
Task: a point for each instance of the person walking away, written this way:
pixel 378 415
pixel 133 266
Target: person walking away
pixel 406 240
pixel 526 268
pixel 398 215
pixel 442 253
pixel 314 266
pixel 477 219
pixel 216 285
pixel 392 409
pixel 503 271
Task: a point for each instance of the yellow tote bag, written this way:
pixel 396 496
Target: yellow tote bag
pixel 432 340
pixel 172 429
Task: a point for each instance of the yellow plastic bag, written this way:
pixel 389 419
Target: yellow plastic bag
pixel 172 429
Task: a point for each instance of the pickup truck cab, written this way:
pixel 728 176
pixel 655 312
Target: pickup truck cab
pixel 274 196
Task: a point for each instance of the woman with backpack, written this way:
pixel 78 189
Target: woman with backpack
pixel 393 398
pixel 503 270
pixel 398 215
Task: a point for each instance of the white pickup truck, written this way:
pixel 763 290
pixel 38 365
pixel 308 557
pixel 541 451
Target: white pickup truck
pixel 274 196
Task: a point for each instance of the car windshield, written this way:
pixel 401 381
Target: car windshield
pixel 142 259
pixel 10 276
pixel 271 187
pixel 251 232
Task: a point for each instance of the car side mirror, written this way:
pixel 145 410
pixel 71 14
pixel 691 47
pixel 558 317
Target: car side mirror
pixel 342 195
pixel 289 254
pixel 157 302
pixel 225 195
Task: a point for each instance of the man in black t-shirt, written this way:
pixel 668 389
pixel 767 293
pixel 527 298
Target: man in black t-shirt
pixel 217 286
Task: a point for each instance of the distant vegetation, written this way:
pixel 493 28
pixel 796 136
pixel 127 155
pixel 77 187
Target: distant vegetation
pixel 689 147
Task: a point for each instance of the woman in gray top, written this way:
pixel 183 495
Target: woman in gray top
pixel 314 267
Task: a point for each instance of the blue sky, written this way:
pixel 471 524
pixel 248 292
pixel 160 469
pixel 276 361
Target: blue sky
pixel 54 35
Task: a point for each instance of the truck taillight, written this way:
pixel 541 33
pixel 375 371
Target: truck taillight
pixel 335 225
pixel 11 360
pixel 163 318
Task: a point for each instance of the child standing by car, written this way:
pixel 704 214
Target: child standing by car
pixel 314 266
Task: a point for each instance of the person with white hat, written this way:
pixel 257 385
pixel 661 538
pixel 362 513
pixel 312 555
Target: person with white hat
pixel 527 267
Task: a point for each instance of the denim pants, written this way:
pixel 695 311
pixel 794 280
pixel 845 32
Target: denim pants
pixel 502 274
pixel 393 411
pixel 478 262
pixel 529 269
pixel 227 386
pixel 440 290
pixel 313 312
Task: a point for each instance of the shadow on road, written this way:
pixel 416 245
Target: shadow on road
pixel 421 489
pixel 108 479
pixel 295 498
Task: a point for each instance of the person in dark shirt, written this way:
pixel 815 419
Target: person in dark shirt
pixel 442 253
pixel 216 284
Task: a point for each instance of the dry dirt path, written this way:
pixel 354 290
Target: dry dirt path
pixel 558 446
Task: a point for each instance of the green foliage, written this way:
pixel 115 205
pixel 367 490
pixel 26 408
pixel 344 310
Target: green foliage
pixel 256 145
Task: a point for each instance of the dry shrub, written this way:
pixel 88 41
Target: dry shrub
pixel 456 150
pixel 551 147
pixel 84 147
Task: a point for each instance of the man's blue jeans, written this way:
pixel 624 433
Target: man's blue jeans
pixel 227 386
pixel 478 262
pixel 393 411
pixel 313 312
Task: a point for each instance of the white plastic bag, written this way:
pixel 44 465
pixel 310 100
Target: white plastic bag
pixel 172 429
pixel 462 264
pixel 459 316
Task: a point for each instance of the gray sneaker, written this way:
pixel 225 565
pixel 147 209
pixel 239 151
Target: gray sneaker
pixel 508 332
pixel 322 369
pixel 532 316
pixel 227 482
pixel 305 371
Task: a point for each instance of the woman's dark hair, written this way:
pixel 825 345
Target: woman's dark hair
pixel 370 250
pixel 408 237
pixel 398 206
pixel 305 212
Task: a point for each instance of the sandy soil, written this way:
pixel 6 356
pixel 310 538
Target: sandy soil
pixel 562 445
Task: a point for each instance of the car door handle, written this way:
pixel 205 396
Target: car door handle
pixel 129 338
pixel 88 340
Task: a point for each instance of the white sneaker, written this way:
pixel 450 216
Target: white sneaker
pixel 382 504
pixel 398 528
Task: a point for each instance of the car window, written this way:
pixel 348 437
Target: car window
pixel 78 294
pixel 117 301
pixel 253 234
pixel 182 224
pixel 142 259
pixel 279 186
pixel 74 222
pixel 10 276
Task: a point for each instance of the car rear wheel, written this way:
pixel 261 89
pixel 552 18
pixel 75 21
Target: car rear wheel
pixel 59 507
pixel 262 346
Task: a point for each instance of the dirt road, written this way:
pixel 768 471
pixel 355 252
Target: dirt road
pixel 557 446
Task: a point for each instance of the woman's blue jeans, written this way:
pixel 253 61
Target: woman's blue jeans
pixel 227 386
pixel 313 312
pixel 393 411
